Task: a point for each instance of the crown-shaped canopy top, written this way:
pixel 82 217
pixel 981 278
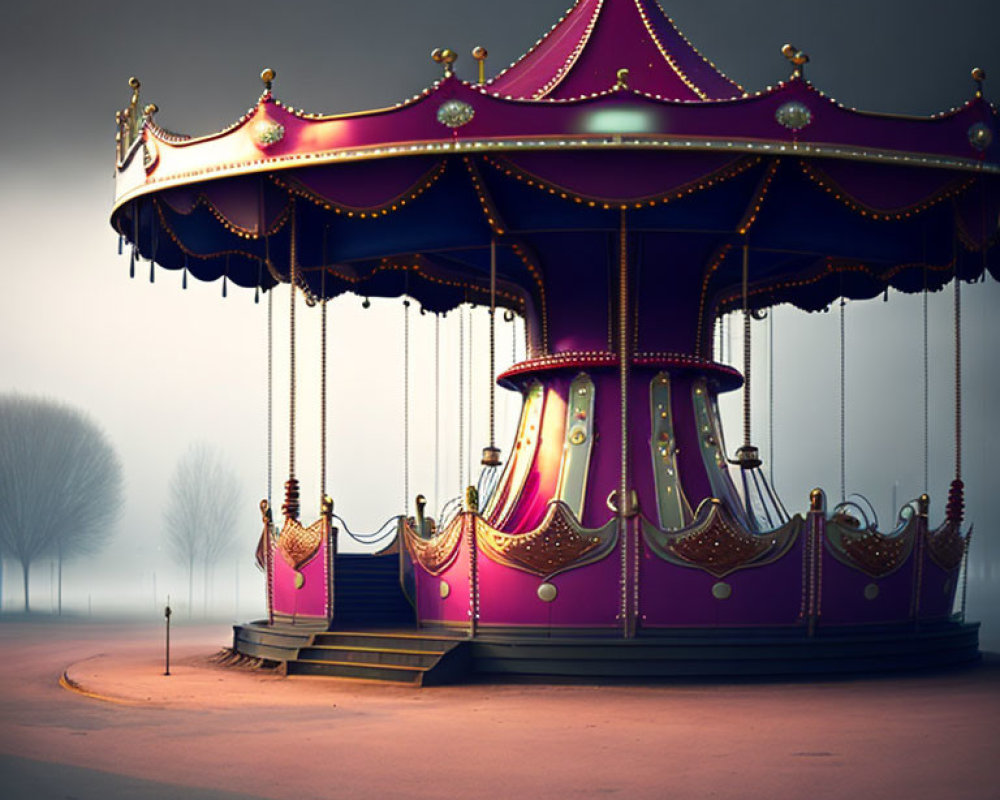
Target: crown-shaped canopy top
pixel 584 51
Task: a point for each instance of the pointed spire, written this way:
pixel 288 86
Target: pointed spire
pixel 583 53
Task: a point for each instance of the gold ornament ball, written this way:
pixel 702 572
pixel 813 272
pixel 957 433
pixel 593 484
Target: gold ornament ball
pixel 788 50
pixel 268 75
pixel 437 54
pixel 978 74
pixel 479 53
pixel 133 82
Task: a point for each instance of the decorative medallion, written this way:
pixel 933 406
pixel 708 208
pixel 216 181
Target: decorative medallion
pixel 793 115
pixel 455 113
pixel 721 590
pixel 267 133
pixel 445 589
pixel 547 592
pixel 980 136
pixel 871 591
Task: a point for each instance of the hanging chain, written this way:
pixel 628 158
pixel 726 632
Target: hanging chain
pixel 770 395
pixel 493 353
pixel 746 346
pixel 958 373
pixel 461 402
pixel 406 405
pixel 322 389
pixel 843 399
pixel 437 406
pixel 270 394
pixel 927 421
pixel 292 279
pixel 468 443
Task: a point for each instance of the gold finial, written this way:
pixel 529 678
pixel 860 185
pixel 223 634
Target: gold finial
pixel 798 58
pixel 979 75
pixel 150 109
pixel 923 504
pixel 326 506
pixel 817 501
pixel 472 499
pixel 479 53
pixel 446 57
pixel 622 76
pixel 268 75
pixel 265 510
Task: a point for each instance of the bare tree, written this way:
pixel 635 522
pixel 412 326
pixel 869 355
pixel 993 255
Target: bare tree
pixel 60 483
pixel 202 510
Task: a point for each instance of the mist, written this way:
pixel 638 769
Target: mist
pixel 160 368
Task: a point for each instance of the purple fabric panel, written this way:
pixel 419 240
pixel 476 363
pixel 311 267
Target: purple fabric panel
pixel 937 590
pixel 311 599
pixel 431 606
pixel 843 600
pixel 539 66
pixel 623 176
pixel 639 447
pixel 237 199
pixel 578 305
pixel 596 68
pixel 586 597
pixel 700 72
pixel 589 596
pixel 884 187
pixel 365 184
pixel 508 596
pixel 671 595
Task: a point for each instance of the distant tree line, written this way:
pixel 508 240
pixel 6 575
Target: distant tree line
pixel 60 484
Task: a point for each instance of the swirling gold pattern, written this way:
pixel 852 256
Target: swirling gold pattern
pixel 946 546
pixel 717 543
pixel 299 544
pixel 873 553
pixel 559 543
pixel 438 552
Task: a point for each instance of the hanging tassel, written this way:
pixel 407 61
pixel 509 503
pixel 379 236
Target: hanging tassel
pixel 131 264
pixel 256 294
pixel 224 277
pixel 119 244
pixel 152 273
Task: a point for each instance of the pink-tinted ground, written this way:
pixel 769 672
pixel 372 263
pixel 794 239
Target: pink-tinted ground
pixel 212 732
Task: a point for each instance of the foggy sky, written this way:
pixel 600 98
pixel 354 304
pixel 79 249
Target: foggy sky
pixel 160 368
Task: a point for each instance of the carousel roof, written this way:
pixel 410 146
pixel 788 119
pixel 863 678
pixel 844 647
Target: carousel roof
pixel 582 53
pixel 833 201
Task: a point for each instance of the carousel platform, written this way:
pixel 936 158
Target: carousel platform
pixel 434 656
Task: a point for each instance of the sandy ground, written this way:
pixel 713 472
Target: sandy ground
pixel 209 733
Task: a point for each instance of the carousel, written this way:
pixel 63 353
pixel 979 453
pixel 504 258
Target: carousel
pixel 620 195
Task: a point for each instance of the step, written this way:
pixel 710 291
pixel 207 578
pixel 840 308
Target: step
pixel 350 669
pixel 371 655
pixel 395 656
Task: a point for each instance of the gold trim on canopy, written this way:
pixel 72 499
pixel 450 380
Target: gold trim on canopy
pixel 438 552
pixel 716 543
pixel 869 551
pixel 559 543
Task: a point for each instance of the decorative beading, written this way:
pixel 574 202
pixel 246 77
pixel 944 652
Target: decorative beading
pixel 869 551
pixel 438 552
pixel 716 543
pixel 455 113
pixel 298 544
pixel 559 543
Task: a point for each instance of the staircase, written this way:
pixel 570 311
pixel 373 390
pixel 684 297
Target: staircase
pixel 406 658
pixel 367 593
